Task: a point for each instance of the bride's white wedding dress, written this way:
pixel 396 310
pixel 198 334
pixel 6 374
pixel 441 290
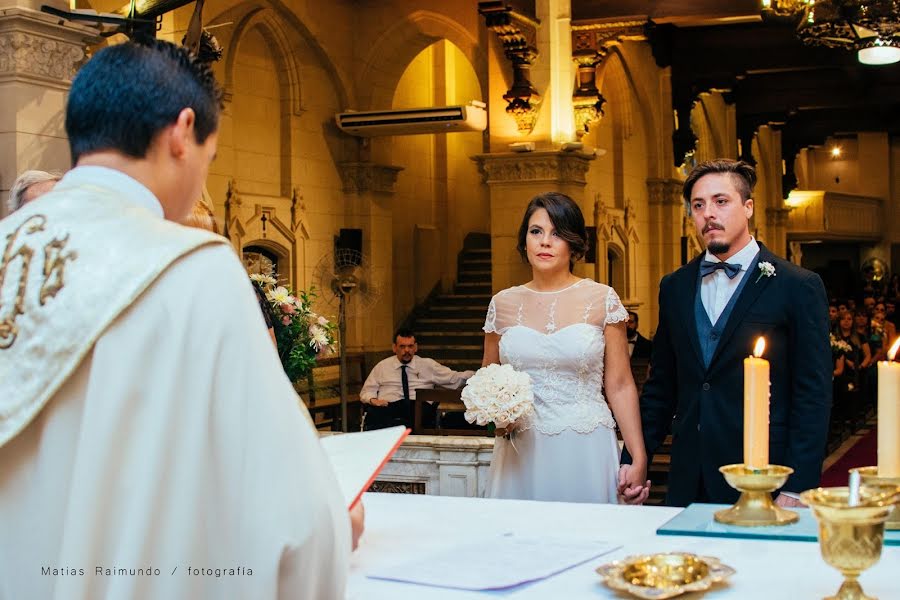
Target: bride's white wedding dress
pixel 568 450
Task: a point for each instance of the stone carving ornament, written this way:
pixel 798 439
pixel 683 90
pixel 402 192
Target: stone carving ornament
pixel 31 54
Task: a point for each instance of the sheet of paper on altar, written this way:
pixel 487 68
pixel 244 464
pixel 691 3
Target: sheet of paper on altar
pixel 495 562
pixel 358 457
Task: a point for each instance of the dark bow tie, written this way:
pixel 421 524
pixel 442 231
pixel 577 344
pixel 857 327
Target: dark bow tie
pixel 708 268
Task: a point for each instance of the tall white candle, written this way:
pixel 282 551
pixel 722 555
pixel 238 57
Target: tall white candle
pixel 756 408
pixel 889 415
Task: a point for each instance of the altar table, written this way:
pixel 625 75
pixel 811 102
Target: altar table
pixel 403 527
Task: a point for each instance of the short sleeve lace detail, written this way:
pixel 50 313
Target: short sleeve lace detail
pixel 615 311
pixel 490 321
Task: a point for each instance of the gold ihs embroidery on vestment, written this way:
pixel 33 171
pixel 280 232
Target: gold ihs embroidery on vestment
pixel 55 258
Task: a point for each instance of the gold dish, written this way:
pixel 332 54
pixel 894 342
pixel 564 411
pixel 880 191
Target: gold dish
pixel 661 576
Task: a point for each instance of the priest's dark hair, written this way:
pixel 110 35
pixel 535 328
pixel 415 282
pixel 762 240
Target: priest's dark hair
pixel 566 217
pixel 127 93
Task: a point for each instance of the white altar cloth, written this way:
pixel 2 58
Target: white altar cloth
pixel 401 527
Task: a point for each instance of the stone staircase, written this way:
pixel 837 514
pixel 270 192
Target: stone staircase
pixel 448 326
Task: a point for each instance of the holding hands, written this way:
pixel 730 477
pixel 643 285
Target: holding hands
pixel 634 487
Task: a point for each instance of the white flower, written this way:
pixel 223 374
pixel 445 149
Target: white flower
pixel 260 278
pixel 318 337
pixel 498 394
pixel 278 295
pixel 322 321
pixel 766 269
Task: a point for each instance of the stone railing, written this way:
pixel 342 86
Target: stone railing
pixel 438 466
pixel 819 215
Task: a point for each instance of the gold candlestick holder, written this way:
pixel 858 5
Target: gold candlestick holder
pixel 851 537
pixel 755 506
pixel 870 476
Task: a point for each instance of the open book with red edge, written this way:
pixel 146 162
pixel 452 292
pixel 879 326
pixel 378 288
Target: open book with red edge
pixel 357 458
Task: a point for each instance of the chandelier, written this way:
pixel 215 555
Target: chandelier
pixel 870 27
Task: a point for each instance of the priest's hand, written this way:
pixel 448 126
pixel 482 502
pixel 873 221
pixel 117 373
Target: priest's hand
pixel 377 402
pixel 357 522
pixel 632 488
pixel 788 502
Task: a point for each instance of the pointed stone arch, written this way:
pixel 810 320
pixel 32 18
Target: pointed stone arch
pixel 403 42
pixel 283 29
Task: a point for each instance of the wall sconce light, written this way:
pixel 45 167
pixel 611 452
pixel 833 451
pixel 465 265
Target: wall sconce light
pixel 836 152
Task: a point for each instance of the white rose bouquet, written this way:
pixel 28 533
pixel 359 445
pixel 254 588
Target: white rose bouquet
pixel 497 396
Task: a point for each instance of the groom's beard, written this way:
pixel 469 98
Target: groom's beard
pixel 717 248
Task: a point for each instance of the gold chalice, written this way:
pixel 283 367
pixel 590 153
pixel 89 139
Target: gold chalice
pixel 851 537
pixel 870 476
pixel 755 506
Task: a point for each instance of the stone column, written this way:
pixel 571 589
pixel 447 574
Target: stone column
pixel 38 59
pixel 368 189
pixel 777 222
pixel 513 178
pixel 666 226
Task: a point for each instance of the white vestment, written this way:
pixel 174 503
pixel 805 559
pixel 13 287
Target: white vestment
pixel 175 461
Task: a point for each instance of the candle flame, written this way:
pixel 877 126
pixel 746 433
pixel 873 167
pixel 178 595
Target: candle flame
pixel 760 347
pixel 892 353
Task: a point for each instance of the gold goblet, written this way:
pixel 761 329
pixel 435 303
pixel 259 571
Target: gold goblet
pixel 851 537
pixel 870 476
pixel 755 506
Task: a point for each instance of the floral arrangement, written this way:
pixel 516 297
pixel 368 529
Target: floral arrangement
pixel 498 395
pixel 839 346
pixel 300 333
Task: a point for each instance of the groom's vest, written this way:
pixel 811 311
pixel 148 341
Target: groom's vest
pixel 71 263
pixel 707 333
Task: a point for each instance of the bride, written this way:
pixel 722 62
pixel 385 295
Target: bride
pixel 569 335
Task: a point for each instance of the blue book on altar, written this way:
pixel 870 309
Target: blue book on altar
pixel 698 520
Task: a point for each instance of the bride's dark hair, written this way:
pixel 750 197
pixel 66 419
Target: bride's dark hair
pixel 566 217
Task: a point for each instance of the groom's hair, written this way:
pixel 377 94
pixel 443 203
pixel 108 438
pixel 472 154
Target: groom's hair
pixel 566 217
pixel 743 174
pixel 128 93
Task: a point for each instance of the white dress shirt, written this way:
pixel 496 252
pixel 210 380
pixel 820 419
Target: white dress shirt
pixel 717 289
pixel 385 383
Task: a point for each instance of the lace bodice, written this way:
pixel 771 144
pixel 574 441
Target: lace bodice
pixel 558 339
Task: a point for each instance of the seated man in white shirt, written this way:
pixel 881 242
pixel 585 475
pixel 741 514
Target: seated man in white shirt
pixel 390 389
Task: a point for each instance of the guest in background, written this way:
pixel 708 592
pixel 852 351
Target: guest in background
pixel 890 311
pixel 390 389
pixel 28 186
pixel 869 305
pixel 833 315
pixel 639 347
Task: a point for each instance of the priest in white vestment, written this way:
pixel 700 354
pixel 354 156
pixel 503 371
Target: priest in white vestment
pixel 150 443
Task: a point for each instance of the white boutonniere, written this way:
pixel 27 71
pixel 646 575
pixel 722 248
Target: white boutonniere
pixel 766 269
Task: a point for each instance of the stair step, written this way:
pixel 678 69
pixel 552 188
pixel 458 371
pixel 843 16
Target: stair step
pixel 432 349
pixel 462 364
pixel 470 287
pixel 457 312
pixel 480 277
pixel 443 338
pixel 481 300
pixel 476 262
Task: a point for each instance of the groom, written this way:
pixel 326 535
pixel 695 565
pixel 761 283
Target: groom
pixel 712 310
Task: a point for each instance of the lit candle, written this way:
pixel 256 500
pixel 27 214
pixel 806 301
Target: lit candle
pixel 889 415
pixel 756 408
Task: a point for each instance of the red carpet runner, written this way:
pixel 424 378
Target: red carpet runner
pixel 863 453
